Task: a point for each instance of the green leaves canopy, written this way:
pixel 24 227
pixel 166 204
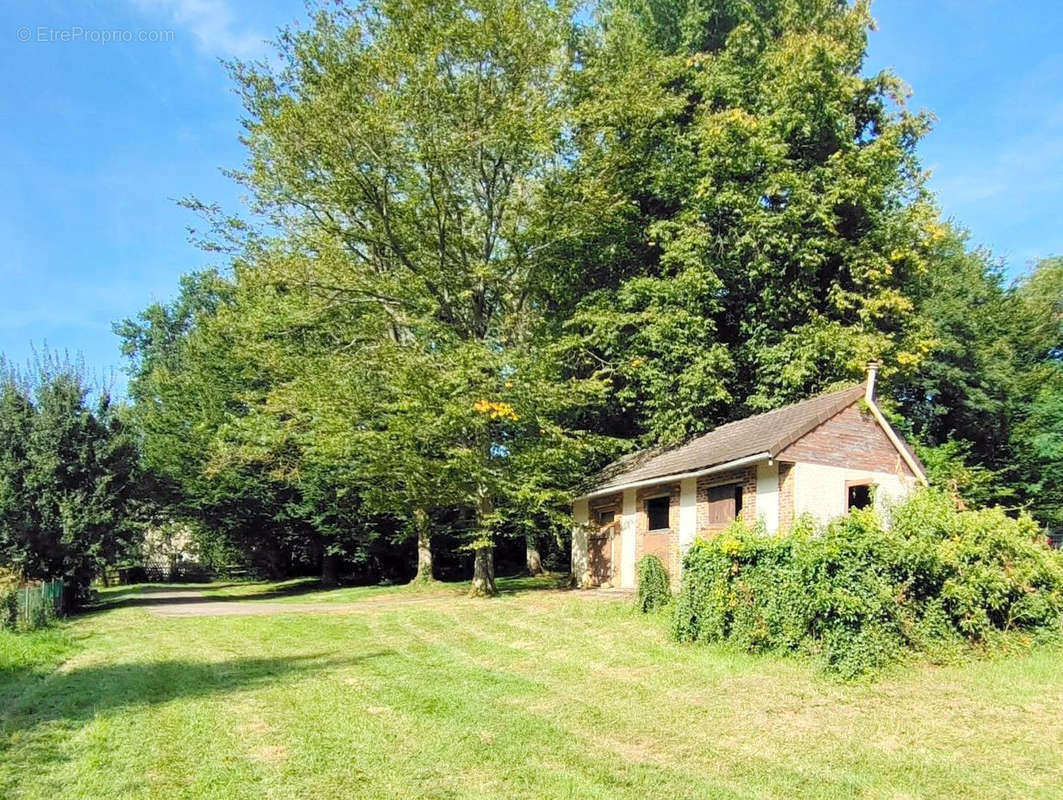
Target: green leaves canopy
pixel 492 234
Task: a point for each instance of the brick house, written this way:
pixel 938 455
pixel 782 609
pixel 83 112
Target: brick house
pixel 822 457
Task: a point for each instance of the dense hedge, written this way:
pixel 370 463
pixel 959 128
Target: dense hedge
pixel 861 593
pixel 653 590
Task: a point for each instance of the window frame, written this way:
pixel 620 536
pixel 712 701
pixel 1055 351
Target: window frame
pixel 850 485
pixel 667 498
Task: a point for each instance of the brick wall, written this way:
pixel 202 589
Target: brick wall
pixel 786 497
pixel 663 543
pixel 851 438
pixel 746 477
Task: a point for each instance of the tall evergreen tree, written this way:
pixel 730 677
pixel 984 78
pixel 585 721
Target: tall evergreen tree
pixel 68 477
pixel 1038 439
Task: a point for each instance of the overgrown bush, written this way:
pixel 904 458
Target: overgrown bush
pixel 653 590
pixel 8 607
pixel 862 594
pixel 9 583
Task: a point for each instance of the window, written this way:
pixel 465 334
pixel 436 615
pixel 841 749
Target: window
pixel 606 516
pixel 657 510
pixel 858 495
pixel 725 504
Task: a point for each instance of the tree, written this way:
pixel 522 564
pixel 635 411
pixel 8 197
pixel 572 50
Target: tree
pixel 959 398
pixel 1039 435
pixel 68 477
pixel 486 230
pixel 983 396
pixel 403 147
pixel 18 521
pixel 207 373
pixel 756 210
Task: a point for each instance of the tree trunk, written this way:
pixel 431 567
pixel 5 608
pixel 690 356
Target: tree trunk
pixel 483 565
pixel 424 546
pixel 330 570
pixel 531 554
pixel 483 572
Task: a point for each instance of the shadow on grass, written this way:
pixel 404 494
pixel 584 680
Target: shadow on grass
pixel 511 586
pixel 154 595
pixel 81 694
pixel 522 584
pixel 160 594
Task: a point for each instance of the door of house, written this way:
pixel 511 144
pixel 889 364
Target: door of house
pixel 602 546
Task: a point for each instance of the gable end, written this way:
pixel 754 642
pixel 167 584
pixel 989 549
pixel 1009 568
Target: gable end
pixel 851 438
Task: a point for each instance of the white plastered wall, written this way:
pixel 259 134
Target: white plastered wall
pixel 580 519
pixel 820 490
pixel 768 495
pixel 627 540
pixel 688 513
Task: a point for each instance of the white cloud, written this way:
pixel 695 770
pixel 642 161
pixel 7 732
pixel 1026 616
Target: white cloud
pixel 214 24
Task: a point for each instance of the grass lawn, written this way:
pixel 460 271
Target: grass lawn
pixel 537 694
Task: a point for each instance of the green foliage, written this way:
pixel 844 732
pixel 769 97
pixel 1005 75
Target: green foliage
pixel 1039 451
pixel 861 594
pixel 759 213
pixel 9 583
pixel 952 466
pixel 489 236
pixel 405 144
pixel 68 476
pixel 982 397
pixel 382 363
pixel 1038 435
pixel 653 591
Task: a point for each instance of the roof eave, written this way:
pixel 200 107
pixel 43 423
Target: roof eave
pixel 676 476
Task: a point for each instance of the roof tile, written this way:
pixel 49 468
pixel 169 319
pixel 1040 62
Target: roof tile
pixel 769 433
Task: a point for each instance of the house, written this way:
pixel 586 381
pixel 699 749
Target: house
pixel 821 457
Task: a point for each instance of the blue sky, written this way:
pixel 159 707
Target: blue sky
pixel 99 138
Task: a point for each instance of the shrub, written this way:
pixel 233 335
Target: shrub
pixel 8 607
pixel 9 583
pixel 653 590
pixel 861 594
pixel 25 607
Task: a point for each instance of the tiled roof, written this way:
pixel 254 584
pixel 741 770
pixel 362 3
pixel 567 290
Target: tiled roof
pixel 770 432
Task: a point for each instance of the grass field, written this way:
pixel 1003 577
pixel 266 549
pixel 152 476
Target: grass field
pixel 538 694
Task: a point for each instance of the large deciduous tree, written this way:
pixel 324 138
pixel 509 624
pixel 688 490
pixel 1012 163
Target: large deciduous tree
pixel 403 147
pixel 755 209
pixel 487 228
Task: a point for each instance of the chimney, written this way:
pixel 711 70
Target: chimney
pixel 872 375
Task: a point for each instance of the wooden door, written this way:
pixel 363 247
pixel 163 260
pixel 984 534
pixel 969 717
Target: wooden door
pixel 723 505
pixel 603 545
